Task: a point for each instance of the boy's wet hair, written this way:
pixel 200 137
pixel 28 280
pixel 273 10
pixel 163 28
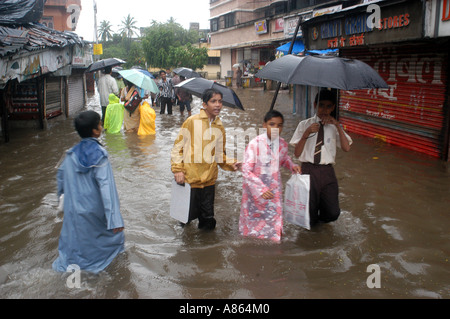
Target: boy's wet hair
pixel 326 95
pixel 209 93
pixel 271 114
pixel 85 122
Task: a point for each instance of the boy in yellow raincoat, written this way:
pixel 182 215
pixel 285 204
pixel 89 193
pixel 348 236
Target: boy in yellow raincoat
pixel 198 149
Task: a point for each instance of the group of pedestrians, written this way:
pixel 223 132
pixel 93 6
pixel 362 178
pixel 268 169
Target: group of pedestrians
pixel 168 95
pixel 141 117
pixel 92 227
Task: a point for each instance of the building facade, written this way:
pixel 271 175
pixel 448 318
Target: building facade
pixel 41 68
pixel 248 32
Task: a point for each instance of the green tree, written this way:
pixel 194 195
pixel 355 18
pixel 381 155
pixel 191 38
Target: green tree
pixel 161 39
pixel 105 31
pixel 128 27
pixel 188 56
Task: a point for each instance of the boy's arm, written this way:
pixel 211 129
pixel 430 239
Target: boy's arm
pixel 286 160
pixel 344 142
pixel 228 164
pixel 60 179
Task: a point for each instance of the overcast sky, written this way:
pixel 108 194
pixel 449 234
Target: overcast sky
pixel 143 11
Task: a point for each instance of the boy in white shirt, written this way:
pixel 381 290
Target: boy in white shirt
pixel 315 141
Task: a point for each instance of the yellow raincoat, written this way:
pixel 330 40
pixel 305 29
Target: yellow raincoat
pixel 147 119
pixel 198 149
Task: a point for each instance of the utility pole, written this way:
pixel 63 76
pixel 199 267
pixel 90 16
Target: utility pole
pixel 95 27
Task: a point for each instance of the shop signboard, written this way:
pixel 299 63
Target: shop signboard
pixel 261 27
pixel 399 22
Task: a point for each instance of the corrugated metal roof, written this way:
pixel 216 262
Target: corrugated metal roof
pixel 33 36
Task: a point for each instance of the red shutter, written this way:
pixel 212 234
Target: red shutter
pixel 410 113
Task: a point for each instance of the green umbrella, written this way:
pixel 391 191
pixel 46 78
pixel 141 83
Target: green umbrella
pixel 140 80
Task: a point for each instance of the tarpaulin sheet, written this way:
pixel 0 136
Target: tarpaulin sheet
pixel 21 11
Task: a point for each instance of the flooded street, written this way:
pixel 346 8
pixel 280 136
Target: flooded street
pixel 395 214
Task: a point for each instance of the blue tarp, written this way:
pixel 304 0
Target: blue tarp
pixel 298 47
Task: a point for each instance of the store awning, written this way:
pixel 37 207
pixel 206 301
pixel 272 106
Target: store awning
pixel 296 49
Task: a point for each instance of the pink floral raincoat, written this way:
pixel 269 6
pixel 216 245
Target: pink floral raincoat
pixel 263 158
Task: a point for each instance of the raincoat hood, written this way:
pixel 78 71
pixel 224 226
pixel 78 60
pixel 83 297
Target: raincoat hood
pixel 87 154
pixel 113 99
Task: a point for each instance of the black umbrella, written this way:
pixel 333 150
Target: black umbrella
pixel 197 86
pixel 99 65
pixel 323 71
pixel 186 72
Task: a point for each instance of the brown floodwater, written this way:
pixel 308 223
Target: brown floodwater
pixel 395 215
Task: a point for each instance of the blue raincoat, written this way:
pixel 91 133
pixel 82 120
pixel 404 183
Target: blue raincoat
pixel 91 209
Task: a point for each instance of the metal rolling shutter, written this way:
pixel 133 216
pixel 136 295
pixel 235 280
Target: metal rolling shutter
pixel 76 94
pixel 411 112
pixel 53 97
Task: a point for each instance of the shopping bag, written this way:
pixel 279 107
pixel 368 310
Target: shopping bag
pixel 180 201
pixel 296 200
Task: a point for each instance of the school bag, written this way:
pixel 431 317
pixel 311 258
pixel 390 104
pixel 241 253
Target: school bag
pixel 133 102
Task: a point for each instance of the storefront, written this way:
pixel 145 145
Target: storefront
pixel 413 111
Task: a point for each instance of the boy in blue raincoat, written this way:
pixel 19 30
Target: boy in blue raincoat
pixel 92 231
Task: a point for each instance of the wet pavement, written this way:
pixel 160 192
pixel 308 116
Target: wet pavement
pixel 395 215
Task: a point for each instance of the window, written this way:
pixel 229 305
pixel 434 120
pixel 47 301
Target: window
pixel 229 20
pixel 214 25
pixel 214 60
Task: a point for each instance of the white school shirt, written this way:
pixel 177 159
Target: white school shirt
pixel 331 140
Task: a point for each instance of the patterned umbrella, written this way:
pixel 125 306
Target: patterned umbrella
pixel 140 79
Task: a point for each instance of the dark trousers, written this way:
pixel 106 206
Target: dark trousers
pixel 103 113
pixel 166 101
pixel 202 207
pixel 324 193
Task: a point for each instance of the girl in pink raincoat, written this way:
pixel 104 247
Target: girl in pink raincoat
pixel 262 204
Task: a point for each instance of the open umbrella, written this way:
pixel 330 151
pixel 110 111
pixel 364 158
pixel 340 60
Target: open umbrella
pixel 186 72
pixel 197 86
pixel 140 79
pixel 323 71
pixel 104 63
pixel 143 71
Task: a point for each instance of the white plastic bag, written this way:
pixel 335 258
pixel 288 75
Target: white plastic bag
pixel 296 200
pixel 180 201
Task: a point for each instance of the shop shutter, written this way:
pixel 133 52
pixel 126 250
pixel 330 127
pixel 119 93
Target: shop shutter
pixel 76 94
pixel 410 113
pixel 53 97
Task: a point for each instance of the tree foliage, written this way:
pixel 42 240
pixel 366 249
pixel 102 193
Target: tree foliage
pixel 105 31
pixel 169 45
pixel 165 45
